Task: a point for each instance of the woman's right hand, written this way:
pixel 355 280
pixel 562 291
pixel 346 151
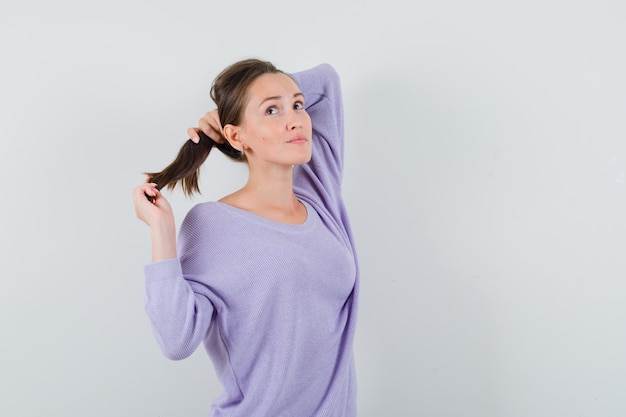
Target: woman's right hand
pixel 157 213
pixel 150 206
pixel 211 126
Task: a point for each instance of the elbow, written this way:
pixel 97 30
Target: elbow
pixel 175 354
pixel 177 343
pixel 328 72
pixel 176 351
pixel 178 331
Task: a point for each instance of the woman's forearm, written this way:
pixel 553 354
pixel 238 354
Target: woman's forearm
pixel 163 241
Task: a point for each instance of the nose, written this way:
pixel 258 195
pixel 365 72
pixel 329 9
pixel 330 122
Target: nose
pixel 295 121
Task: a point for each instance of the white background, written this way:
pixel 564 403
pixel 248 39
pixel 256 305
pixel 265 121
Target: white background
pixel 485 177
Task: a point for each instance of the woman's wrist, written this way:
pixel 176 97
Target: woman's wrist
pixel 163 242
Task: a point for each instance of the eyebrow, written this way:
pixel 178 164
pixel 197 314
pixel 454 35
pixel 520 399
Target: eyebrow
pixel 298 94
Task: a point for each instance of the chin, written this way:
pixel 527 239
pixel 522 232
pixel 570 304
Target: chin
pixel 303 160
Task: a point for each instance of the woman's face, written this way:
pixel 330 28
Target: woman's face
pixel 275 128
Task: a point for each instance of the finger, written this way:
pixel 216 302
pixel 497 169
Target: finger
pixel 213 119
pixel 210 129
pixel 152 196
pixel 212 115
pixel 140 195
pixel 148 191
pixel 192 132
pixel 146 186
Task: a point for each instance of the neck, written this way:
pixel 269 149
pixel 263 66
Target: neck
pixel 272 188
pixel 269 193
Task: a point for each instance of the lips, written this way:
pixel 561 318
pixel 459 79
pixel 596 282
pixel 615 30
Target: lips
pixel 297 140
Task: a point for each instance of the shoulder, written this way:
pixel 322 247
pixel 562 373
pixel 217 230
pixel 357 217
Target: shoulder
pixel 203 216
pixel 202 210
pixel 205 224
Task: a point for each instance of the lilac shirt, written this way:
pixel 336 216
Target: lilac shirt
pixel 274 304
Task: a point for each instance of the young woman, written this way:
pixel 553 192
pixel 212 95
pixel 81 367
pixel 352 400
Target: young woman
pixel 266 277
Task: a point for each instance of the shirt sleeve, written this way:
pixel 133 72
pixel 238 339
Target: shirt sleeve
pixel 319 181
pixel 178 306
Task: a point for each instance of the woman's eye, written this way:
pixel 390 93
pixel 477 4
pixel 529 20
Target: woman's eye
pixel 271 110
pixel 298 105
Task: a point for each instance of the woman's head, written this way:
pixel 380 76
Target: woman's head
pixel 274 128
pixel 229 93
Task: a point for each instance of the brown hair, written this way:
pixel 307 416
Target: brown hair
pixel 229 93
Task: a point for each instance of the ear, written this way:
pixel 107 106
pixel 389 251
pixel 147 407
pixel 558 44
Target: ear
pixel 233 136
